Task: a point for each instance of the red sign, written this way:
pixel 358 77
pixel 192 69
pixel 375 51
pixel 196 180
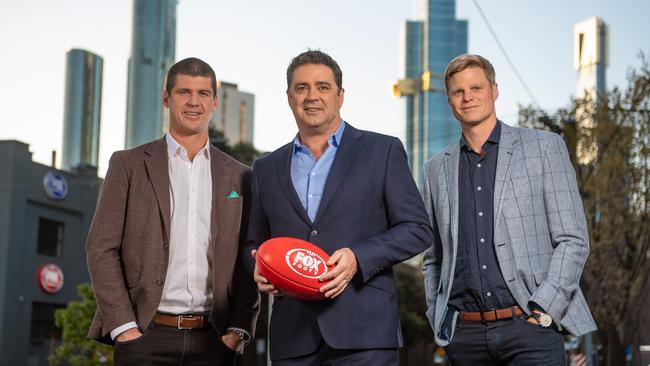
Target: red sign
pixel 50 278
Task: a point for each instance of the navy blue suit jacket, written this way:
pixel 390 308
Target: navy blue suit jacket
pixel 370 204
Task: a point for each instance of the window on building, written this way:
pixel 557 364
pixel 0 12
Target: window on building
pixel 50 237
pixel 43 328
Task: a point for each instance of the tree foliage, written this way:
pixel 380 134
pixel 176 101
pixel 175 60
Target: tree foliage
pixel 245 153
pixel 615 187
pixel 76 349
pixel 409 282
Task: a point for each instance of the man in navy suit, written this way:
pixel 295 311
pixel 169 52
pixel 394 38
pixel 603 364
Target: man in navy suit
pixel 351 193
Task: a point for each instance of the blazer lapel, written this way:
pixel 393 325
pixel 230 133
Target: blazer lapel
pixel 155 161
pixel 451 173
pixel 507 143
pixel 286 184
pixel 344 159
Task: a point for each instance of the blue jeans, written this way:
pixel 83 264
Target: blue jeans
pixel 513 342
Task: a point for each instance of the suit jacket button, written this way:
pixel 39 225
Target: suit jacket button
pixel 159 282
pixel 166 246
pixel 313 233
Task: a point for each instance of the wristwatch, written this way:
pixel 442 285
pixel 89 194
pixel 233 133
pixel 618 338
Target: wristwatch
pixel 243 337
pixel 542 318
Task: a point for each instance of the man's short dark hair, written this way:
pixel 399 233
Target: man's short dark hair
pixel 191 66
pixel 315 57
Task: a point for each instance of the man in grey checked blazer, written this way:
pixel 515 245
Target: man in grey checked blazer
pixel 502 274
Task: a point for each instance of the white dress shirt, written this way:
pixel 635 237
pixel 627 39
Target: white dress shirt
pixel 188 285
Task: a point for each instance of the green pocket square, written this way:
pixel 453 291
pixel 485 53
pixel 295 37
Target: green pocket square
pixel 233 194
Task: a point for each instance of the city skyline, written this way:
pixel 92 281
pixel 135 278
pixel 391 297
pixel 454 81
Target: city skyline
pixel 253 48
pixel 153 46
pixel 430 44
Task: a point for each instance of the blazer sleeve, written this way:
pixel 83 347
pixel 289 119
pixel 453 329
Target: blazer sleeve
pixel 103 246
pixel 408 233
pixel 567 228
pixel 432 259
pixel 245 298
pixel 258 226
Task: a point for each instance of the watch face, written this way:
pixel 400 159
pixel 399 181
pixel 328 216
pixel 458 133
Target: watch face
pixel 545 320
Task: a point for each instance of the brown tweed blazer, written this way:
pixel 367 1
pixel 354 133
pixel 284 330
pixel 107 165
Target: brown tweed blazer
pixel 128 243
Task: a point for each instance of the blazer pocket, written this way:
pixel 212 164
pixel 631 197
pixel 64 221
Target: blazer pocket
pixel 357 188
pixel 540 276
pixel 132 279
pixel 383 283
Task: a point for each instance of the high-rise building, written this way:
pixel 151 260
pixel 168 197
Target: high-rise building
pixel 590 58
pixel 152 54
pixel 234 115
pixel 429 45
pixel 82 113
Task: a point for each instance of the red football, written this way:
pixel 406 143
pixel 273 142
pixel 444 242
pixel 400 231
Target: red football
pixel 293 266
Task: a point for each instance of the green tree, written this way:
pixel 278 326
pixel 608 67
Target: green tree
pixel 418 336
pixel 243 152
pixel 615 187
pixel 76 349
pixel 409 282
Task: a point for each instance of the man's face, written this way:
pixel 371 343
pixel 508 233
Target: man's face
pixel 191 103
pixel 471 97
pixel 315 99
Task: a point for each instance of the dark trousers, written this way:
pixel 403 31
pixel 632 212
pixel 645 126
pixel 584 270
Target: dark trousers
pixel 328 356
pixel 163 345
pixel 513 342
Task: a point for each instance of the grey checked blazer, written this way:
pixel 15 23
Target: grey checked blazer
pixel 540 233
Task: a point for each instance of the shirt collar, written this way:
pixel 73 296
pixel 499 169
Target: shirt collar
pixel 334 140
pixel 494 137
pixel 174 148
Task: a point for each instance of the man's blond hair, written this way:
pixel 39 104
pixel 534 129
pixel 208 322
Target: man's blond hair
pixel 465 61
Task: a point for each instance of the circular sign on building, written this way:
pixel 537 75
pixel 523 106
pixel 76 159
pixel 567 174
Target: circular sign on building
pixel 50 278
pixel 55 184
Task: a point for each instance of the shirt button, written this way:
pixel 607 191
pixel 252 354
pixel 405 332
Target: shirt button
pixel 312 173
pixel 484 266
pixel 480 213
pixel 478 165
pixel 478 189
pixel 482 240
pixel 489 294
pixel 313 233
pixel 311 196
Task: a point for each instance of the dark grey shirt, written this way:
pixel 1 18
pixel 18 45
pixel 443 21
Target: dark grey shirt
pixel 478 282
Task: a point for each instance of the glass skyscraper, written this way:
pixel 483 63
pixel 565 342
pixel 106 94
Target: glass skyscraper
pixel 430 44
pixel 83 107
pixel 152 54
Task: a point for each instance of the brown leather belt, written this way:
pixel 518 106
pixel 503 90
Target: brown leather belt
pixel 187 321
pixel 492 315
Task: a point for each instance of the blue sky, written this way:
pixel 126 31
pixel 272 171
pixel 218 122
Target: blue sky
pixel 251 43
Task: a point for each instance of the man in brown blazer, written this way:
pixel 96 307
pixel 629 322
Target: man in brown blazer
pixel 163 245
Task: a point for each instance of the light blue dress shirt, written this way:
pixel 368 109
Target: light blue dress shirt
pixel 310 175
